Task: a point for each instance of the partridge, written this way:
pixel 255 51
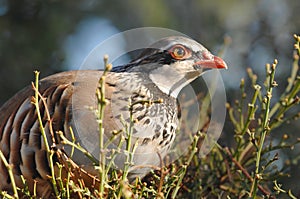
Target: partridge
pixel 157 75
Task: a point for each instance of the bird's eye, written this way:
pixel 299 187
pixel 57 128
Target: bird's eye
pixel 179 52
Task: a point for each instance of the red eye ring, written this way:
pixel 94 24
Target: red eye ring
pixel 179 52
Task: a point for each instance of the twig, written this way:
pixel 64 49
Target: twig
pixel 245 172
pixel 35 101
pixel 193 151
pixel 10 173
pixel 265 125
pixel 101 103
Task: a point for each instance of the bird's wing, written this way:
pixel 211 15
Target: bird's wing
pixel 21 141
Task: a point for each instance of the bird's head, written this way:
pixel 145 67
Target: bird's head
pixel 173 62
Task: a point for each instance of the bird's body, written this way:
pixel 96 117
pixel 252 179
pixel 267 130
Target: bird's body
pixel 158 74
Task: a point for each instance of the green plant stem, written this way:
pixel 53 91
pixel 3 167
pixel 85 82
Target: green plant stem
pixel 128 144
pixel 193 151
pixel 10 173
pixel 36 103
pixel 265 128
pixel 42 129
pixel 245 172
pixel 240 108
pixel 233 120
pixel 251 109
pixel 76 146
pixel 291 80
pixel 289 103
pixel 100 94
pixel 128 150
pixel 71 155
pixel 251 115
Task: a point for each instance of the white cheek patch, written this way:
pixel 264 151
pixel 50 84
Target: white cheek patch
pixel 183 67
pixel 165 77
pixel 170 79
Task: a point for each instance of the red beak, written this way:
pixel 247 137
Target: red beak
pixel 216 62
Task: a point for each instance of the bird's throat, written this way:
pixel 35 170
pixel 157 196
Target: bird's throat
pixel 170 81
